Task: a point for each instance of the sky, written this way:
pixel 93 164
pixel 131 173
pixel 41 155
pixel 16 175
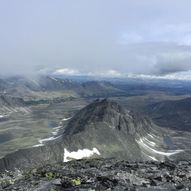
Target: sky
pixel 107 37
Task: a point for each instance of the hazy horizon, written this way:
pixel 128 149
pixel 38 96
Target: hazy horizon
pixel 108 37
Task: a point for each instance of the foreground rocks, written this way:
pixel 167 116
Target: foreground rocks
pixel 101 174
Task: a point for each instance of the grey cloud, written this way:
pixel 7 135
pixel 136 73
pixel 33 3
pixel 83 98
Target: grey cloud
pixel 179 34
pixel 94 36
pixel 167 63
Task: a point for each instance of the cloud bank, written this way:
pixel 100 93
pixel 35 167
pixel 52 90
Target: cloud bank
pixel 105 37
pixel 183 75
pixel 179 34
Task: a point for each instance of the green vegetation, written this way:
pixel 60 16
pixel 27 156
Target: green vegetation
pixel 76 181
pixel 50 175
pixel 26 129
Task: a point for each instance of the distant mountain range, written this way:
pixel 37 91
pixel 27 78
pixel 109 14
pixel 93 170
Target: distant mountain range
pixel 89 88
pixel 30 87
pixel 40 86
pixel 101 129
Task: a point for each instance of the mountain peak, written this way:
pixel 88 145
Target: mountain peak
pixel 106 105
pixel 100 111
pixel 114 131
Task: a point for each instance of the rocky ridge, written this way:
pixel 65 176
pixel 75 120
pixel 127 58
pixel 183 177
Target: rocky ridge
pixel 102 174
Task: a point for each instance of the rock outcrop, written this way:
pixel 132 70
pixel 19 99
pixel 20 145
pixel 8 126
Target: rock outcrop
pixel 102 129
pixel 101 174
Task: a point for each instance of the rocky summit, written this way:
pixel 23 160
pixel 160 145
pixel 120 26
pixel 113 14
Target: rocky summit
pixel 101 174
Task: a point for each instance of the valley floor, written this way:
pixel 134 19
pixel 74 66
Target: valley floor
pixel 101 174
pixel 24 130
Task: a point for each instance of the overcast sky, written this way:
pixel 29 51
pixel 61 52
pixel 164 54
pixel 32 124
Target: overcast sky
pixel 95 36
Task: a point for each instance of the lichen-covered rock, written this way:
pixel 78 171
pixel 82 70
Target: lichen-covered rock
pixel 103 174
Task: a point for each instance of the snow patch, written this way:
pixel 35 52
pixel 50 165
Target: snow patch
pixel 38 145
pixel 151 157
pixel 149 142
pixel 66 119
pixel 150 135
pixel 155 137
pixel 56 130
pixel 41 141
pixel 148 148
pixel 81 153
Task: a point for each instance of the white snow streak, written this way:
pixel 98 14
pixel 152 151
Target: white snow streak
pixel 150 135
pixel 147 147
pixel 151 157
pixel 41 141
pixel 149 142
pixel 66 119
pixel 56 130
pixel 38 145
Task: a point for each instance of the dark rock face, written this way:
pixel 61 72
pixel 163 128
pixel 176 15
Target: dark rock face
pixel 103 174
pixel 99 111
pixel 115 132
pixel 28 158
pixel 104 129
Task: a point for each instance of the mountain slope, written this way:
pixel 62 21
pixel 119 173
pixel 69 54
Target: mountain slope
pixel 116 132
pixel 174 114
pixel 10 104
pixel 101 129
